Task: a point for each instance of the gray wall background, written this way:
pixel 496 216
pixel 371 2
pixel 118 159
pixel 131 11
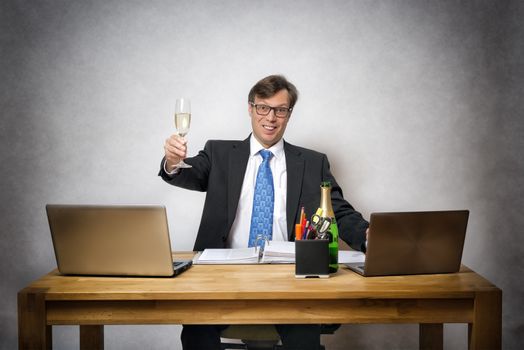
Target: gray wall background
pixel 422 102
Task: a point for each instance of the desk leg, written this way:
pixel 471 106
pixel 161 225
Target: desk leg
pixel 431 336
pixel 33 331
pixel 486 330
pixel 92 337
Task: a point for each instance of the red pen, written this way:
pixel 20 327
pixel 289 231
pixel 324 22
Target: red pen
pixel 303 218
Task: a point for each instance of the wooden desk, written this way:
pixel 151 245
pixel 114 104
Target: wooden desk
pixel 260 294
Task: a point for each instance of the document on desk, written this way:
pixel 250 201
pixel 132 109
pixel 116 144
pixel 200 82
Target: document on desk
pixel 275 252
pixel 278 252
pixel 350 256
pixel 220 256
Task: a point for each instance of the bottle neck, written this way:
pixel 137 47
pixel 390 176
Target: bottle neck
pixel 325 202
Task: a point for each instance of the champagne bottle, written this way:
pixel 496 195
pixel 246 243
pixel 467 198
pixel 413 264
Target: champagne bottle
pixel 327 212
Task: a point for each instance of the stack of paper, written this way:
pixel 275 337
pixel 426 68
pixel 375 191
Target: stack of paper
pixel 275 252
pixel 278 252
pixel 350 256
pixel 228 256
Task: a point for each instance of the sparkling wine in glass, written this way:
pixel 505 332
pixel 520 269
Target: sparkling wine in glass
pixel 183 121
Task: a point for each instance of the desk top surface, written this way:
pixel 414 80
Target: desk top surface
pixel 229 282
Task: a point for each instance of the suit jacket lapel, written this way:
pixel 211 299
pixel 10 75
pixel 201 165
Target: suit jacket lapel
pixel 238 158
pixel 295 176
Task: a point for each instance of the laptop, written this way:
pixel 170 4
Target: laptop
pixel 112 240
pixel 408 243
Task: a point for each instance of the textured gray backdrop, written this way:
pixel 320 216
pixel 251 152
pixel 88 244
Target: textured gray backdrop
pixel 417 103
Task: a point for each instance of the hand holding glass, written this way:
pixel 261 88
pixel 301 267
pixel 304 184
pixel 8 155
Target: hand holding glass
pixel 182 122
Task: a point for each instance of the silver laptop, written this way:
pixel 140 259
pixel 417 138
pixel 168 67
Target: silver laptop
pixel 112 240
pixel 407 243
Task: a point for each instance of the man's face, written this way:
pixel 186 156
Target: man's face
pixel 269 129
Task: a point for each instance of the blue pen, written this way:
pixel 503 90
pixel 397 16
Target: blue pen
pixel 306 230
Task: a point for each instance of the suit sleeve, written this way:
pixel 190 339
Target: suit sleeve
pixel 351 225
pixel 195 178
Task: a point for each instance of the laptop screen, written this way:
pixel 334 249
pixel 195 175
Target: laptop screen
pixel 111 240
pixel 415 242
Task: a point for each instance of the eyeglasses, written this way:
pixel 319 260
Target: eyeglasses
pixel 280 112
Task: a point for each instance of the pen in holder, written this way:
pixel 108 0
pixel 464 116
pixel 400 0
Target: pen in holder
pixel 312 258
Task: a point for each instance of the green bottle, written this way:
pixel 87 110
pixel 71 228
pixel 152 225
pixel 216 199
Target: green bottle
pixel 327 211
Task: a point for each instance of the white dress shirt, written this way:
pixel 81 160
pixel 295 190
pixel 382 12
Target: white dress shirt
pixel 239 235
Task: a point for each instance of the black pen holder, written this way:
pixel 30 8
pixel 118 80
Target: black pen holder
pixel 312 258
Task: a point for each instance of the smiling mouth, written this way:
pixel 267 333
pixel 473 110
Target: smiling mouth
pixel 269 128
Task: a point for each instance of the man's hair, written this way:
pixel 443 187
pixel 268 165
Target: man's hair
pixel 272 84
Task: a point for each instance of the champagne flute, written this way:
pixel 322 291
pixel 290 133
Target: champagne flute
pixel 182 121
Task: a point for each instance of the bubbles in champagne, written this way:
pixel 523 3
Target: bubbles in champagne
pixel 182 122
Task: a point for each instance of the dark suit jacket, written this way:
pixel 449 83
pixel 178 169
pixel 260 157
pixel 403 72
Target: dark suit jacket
pixel 219 170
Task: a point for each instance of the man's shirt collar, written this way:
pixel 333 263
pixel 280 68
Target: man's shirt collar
pixel 277 149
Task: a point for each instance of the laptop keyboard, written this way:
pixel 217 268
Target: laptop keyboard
pixel 178 263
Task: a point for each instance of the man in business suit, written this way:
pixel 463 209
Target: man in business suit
pixel 227 171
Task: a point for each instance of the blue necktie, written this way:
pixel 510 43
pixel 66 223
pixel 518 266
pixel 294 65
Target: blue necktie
pixel 263 202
